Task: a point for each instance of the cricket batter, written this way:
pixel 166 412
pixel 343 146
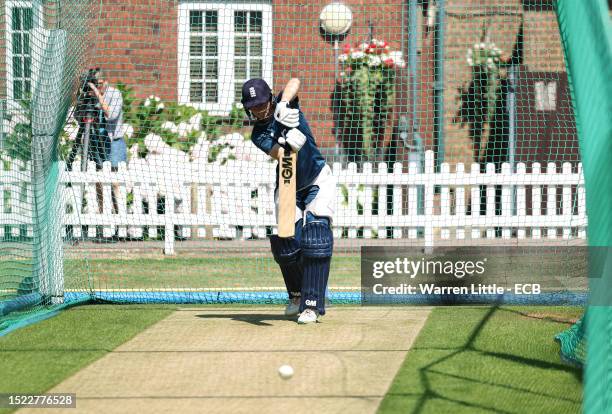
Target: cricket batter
pixel 304 260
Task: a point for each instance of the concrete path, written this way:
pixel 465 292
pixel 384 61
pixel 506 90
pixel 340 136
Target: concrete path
pixel 223 360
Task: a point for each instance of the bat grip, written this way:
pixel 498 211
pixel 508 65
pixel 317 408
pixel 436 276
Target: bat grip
pixel 286 148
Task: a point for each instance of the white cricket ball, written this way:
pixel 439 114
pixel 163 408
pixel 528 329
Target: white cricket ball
pixel 285 371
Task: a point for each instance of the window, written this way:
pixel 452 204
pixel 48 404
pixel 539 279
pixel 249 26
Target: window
pixel 546 96
pixel 539 5
pixel 22 17
pixel 248 48
pixel 220 47
pixel 203 56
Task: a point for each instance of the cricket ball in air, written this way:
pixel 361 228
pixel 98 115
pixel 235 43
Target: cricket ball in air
pixel 285 371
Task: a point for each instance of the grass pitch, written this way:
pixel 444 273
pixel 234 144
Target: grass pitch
pixel 465 360
pixel 184 272
pixel 190 272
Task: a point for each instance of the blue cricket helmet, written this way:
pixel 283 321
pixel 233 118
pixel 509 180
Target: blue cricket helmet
pixel 255 92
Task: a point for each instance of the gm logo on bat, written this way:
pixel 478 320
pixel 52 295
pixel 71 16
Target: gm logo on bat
pixel 286 166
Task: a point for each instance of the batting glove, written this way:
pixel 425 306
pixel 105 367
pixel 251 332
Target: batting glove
pixel 294 138
pixel 287 116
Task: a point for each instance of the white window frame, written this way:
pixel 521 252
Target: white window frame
pixel 546 95
pixel 226 91
pixel 37 13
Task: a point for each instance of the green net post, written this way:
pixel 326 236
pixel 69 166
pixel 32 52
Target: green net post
pixel 48 50
pixel 586 34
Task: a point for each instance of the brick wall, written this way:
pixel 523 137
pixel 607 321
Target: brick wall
pixel 542 53
pixel 463 29
pixel 300 50
pixel 136 43
pixel 543 49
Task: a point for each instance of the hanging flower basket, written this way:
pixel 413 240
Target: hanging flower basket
pixel 485 60
pixel 365 96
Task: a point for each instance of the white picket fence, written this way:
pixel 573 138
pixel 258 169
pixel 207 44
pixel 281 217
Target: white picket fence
pixel 236 201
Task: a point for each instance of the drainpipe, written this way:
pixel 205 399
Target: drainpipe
pixel 416 146
pixel 439 85
pixel 512 116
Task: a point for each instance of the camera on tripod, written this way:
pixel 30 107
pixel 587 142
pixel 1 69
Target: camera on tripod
pixel 92 141
pixel 87 103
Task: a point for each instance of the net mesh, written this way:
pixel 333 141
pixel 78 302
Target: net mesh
pixel 44 48
pixel 444 123
pixel 589 69
pixel 572 343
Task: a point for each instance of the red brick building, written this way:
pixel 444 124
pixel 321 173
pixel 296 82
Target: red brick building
pixel 199 53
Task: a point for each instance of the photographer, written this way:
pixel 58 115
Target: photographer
pixel 101 106
pixel 88 111
pixel 111 102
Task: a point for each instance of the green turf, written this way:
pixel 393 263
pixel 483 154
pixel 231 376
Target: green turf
pixel 188 272
pixel 250 272
pixel 37 357
pixel 488 360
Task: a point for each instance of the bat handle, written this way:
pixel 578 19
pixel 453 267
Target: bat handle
pixel 286 148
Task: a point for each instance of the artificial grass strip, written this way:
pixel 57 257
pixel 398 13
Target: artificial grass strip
pixel 488 359
pixel 39 356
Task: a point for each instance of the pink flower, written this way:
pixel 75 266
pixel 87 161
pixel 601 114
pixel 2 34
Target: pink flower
pixel 376 53
pixel 389 63
pixel 377 47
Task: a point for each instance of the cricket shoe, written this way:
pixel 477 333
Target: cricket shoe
pixel 293 308
pixel 308 316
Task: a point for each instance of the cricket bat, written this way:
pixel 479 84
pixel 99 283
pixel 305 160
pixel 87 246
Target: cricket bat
pixel 286 191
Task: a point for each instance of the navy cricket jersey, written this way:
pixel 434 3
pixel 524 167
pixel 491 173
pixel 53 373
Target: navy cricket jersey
pixel 310 161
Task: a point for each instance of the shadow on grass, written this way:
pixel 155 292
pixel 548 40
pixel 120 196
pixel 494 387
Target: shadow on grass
pixel 429 393
pixel 550 317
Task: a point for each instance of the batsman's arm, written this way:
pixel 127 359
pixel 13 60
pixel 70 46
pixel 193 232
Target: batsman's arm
pixel 289 93
pixel 291 90
pixel 262 140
